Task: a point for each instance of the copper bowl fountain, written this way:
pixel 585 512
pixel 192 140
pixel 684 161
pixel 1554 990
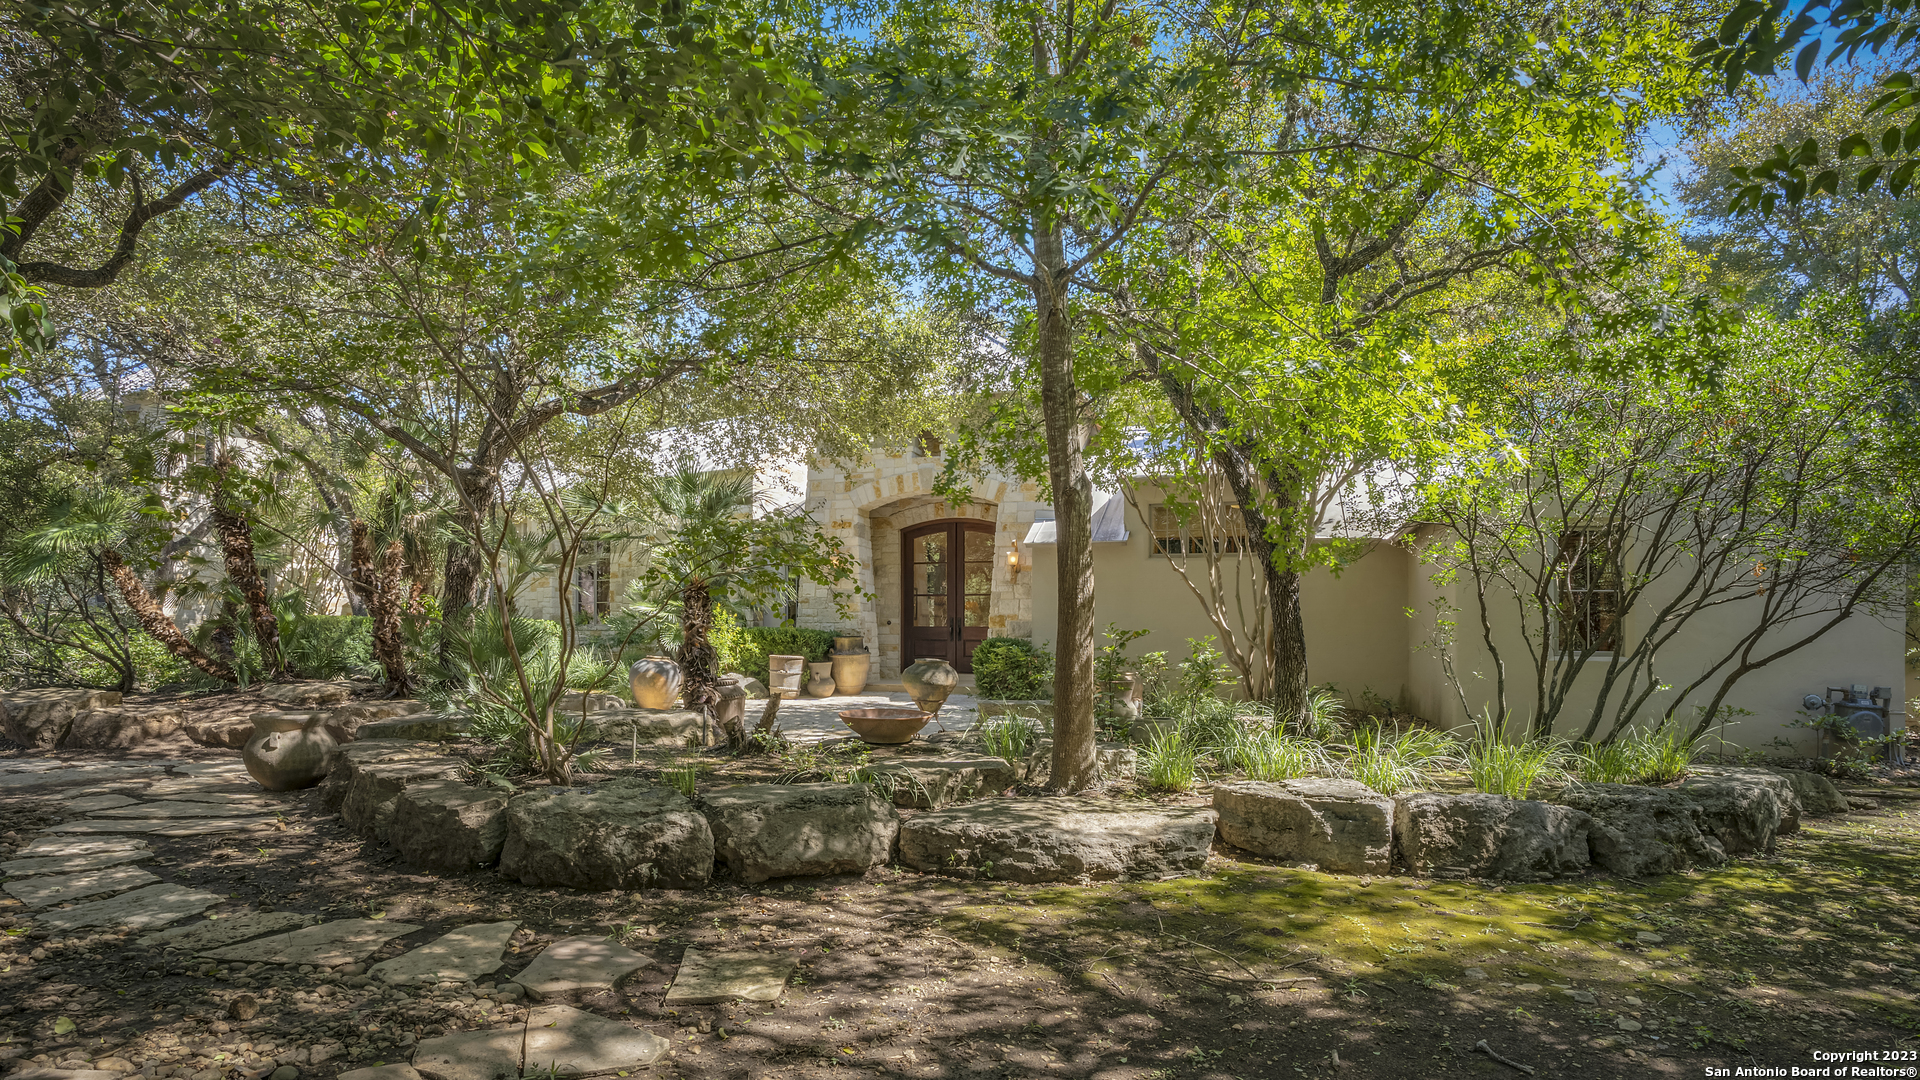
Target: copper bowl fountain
pixel 884 726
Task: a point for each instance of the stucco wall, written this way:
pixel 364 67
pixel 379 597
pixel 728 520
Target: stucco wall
pixel 1357 628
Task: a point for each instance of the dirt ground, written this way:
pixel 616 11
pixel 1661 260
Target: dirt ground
pixel 1252 970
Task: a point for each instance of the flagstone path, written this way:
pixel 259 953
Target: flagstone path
pixel 82 874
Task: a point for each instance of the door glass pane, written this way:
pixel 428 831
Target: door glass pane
pixel 929 564
pixel 929 611
pixel 979 546
pixel 978 578
pixel 931 548
pixel 976 610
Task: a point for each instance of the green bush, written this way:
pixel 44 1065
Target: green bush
pixel 1012 669
pixel 759 642
pixel 326 646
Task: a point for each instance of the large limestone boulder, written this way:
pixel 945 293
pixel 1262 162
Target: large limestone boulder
pixel 345 722
pixel 39 719
pixel 368 777
pixel 419 727
pixel 1340 826
pixel 766 831
pixel 224 733
pixel 928 782
pixel 1816 793
pixel 1033 840
pixel 1774 780
pixel 1743 815
pixel 121 728
pixel 626 834
pixel 448 825
pixel 306 695
pixel 593 703
pixel 1490 836
pixel 1639 831
pixel 648 727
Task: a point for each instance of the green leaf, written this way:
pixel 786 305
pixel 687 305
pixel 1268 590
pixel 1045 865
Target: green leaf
pixel 63 1026
pixel 1803 64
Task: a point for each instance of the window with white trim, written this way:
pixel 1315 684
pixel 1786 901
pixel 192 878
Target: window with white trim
pixel 1586 593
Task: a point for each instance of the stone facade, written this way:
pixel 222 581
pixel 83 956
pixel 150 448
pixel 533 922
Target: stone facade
pixel 870 505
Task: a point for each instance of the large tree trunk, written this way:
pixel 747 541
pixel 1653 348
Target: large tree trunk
pixel 155 622
pixel 699 676
pixel 1074 766
pixel 236 544
pixel 383 592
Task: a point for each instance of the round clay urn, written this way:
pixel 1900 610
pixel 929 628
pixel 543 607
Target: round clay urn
pixel 929 680
pixel 289 751
pixel 883 726
pixel 655 681
pixel 850 667
pixel 821 684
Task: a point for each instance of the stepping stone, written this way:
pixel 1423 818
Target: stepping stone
pixel 178 787
pixel 382 1072
pixel 20 780
pixel 141 909
pixel 188 827
pixel 49 846
pixel 217 932
pixel 578 965
pixel 461 956
pixel 39 892
pixel 67 864
pixel 707 978
pixel 239 800
pixel 66 1074
pixel 169 810
pixel 343 941
pixel 564 1041
pixel 87 804
pixel 472 1055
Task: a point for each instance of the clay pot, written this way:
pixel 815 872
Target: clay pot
pixel 929 680
pixel 732 704
pixel 787 675
pixel 848 643
pixel 822 683
pixel 289 752
pixel 655 681
pixel 850 671
pixel 883 726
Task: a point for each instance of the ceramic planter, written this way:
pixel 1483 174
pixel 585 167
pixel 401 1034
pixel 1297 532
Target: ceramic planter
pixel 655 681
pixel 822 683
pixel 850 669
pixel 289 752
pixel 929 680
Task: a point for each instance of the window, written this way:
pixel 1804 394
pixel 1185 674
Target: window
pixel 593 581
pixel 1586 593
pixel 1171 538
pixel 926 444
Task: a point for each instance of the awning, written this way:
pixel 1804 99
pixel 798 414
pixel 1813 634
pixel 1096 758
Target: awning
pixel 1109 522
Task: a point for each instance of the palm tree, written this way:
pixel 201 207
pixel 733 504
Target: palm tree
pixel 701 524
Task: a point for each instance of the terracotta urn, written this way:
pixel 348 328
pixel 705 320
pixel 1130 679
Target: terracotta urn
pixel 884 726
pixel 822 683
pixel 929 680
pixel 655 681
pixel 289 751
pixel 851 665
pixel 732 704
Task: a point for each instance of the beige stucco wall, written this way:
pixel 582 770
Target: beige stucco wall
pixel 1357 629
pixel 1865 649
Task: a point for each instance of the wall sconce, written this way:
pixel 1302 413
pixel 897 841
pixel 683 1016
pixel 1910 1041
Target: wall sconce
pixel 1017 560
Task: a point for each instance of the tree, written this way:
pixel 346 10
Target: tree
pixel 1617 514
pixel 711 540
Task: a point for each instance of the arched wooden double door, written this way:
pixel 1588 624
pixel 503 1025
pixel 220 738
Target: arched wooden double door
pixel 948 567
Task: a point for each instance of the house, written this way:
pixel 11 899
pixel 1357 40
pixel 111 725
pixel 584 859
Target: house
pixel 941 575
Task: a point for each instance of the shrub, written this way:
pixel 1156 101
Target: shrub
pixel 326 646
pixel 1171 760
pixel 1265 753
pixel 1513 769
pixel 759 642
pixel 1007 737
pixel 1391 761
pixel 1016 669
pixel 1651 755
